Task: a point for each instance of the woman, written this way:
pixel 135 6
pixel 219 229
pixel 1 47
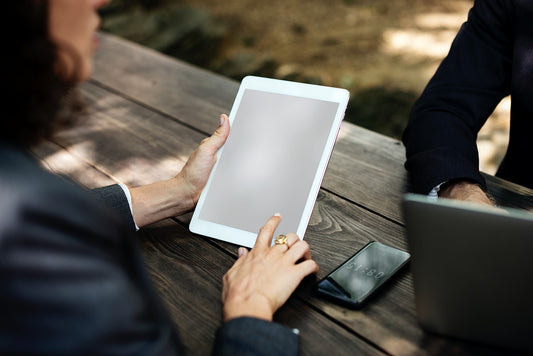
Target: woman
pixel 72 281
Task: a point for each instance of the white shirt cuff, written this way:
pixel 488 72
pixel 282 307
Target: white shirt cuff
pixel 434 193
pixel 128 196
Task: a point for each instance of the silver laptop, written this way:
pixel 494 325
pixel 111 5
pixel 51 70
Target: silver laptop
pixel 473 270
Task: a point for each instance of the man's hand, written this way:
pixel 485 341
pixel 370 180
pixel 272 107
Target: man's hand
pixel 465 191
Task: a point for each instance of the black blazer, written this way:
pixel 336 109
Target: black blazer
pixel 72 281
pixel 491 57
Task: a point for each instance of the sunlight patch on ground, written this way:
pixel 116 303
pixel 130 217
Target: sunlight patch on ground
pixel 64 160
pixel 440 20
pixel 396 343
pixel 494 137
pixel 344 132
pixel 431 37
pixel 140 171
pixel 419 43
pixel 76 163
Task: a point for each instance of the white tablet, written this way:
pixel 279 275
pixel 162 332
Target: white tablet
pixel 281 138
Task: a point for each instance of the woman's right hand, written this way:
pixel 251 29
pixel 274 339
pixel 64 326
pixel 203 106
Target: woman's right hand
pixel 262 279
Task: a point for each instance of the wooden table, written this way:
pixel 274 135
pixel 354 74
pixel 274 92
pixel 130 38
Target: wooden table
pixel 147 114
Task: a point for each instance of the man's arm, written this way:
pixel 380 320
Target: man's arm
pixel 464 190
pixel 440 138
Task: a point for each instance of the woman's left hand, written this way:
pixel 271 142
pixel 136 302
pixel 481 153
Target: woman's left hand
pixel 178 195
pixel 196 171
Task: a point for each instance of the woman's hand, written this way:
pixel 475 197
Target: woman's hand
pixel 196 171
pixel 173 197
pixel 262 279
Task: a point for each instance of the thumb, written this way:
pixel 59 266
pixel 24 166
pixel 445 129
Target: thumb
pixel 242 251
pixel 221 134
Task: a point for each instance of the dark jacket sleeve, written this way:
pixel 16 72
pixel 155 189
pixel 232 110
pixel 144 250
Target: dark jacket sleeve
pixel 440 138
pixel 249 336
pixel 72 281
pixel 113 196
pixel 71 278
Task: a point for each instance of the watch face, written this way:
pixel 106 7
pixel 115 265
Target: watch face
pixel 364 272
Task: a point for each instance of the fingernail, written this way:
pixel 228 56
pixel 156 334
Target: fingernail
pixel 241 251
pixel 221 120
pixel 277 214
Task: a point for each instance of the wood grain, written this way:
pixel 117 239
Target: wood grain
pixel 172 254
pixel 188 272
pixel 147 114
pixel 196 97
pixel 159 82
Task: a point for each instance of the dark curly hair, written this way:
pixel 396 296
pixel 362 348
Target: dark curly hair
pixel 34 97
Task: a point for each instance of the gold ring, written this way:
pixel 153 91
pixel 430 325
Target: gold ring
pixel 282 240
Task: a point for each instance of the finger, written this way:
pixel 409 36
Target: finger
pixel 220 135
pixel 306 268
pixel 213 143
pixel 242 251
pixel 267 231
pixel 298 251
pixel 291 240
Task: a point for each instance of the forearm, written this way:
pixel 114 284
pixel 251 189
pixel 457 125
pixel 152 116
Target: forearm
pixel 440 138
pixel 160 200
pixel 173 197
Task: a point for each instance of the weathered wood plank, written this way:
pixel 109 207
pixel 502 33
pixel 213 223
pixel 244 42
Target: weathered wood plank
pixel 184 92
pixel 190 283
pixel 60 160
pixel 508 194
pixel 367 168
pixel 187 93
pixel 129 142
pixel 183 271
pixel 115 161
pixel 132 143
pixel 196 97
pixel 334 224
pixel 389 319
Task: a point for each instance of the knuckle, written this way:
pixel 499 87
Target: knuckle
pixel 314 265
pixel 265 229
pixel 302 245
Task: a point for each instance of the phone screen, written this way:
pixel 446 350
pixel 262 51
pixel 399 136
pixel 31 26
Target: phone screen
pixel 364 272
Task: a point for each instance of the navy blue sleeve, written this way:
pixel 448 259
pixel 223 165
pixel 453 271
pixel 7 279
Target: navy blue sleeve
pixel 440 138
pixel 72 281
pixel 113 196
pixel 250 336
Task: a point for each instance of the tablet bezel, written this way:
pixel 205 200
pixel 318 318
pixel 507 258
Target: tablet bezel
pixel 311 91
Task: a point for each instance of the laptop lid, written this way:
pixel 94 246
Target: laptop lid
pixel 473 270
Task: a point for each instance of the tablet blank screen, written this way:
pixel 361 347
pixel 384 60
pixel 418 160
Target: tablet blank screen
pixel 269 161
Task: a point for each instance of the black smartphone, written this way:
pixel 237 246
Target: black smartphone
pixel 362 274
